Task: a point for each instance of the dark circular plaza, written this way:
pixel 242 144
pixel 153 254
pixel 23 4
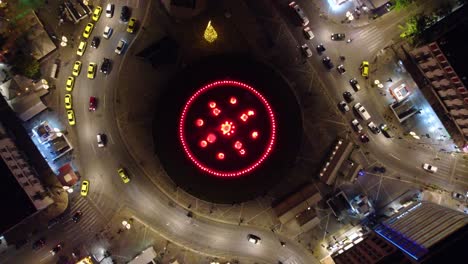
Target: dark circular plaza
pixel 227 128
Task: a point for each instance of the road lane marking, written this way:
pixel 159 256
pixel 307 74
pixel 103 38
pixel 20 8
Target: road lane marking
pixel 111 139
pixel 391 154
pixel 94 150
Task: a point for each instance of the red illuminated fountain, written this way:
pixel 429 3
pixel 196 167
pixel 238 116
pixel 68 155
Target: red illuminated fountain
pixel 227 129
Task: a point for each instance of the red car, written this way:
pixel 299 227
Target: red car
pixel 92 103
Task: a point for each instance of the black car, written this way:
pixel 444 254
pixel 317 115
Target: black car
pixel 338 36
pixel 39 243
pixel 341 69
pixel 364 138
pixel 56 249
pixel 354 83
pixel 386 130
pixel 125 14
pixel 327 62
pixel 320 48
pixel 95 42
pixel 106 66
pixel 77 216
pixel 348 96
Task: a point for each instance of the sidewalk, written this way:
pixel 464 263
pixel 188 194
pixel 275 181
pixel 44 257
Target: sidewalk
pixel 338 15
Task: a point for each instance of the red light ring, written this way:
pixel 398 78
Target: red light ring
pixel 239 172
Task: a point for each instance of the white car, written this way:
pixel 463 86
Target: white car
pixel 100 140
pixel 253 239
pixel 109 10
pixel 429 168
pixel 308 33
pixel 458 196
pixel 362 111
pixel 120 46
pixel 107 32
pixel 356 126
pixel 306 51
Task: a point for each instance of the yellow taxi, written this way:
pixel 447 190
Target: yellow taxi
pixel 84 188
pixel 365 69
pixel 97 13
pixel 81 48
pixel 68 101
pixel 123 175
pixel 71 117
pixel 70 83
pixel 91 70
pixel 131 25
pixel 76 68
pixel 88 29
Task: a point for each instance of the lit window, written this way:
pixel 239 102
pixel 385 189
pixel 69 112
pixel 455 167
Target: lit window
pixel 199 122
pixel 220 156
pixel 211 138
pixel 233 100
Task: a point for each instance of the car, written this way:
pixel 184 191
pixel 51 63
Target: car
pixel 101 140
pixel 379 169
pixel 354 83
pixel 429 168
pixel 76 68
pixel 84 188
pixel 56 249
pixel 38 244
pixel 71 117
pixel 363 137
pixel 306 51
pixel 88 29
pixel 105 66
pixel 123 175
pixel 327 62
pixel 356 126
pixel 77 216
pixel 253 239
pixel 70 83
pixel 299 13
pixel 386 130
pixel 81 48
pixel 120 46
pixel 95 42
pixel 362 111
pixel 107 32
pixel 373 128
pixel 338 36
pixel 348 96
pixel 68 101
pixel 308 33
pixel 458 196
pixel 341 69
pixel 343 106
pixel 92 70
pixel 365 69
pixel 110 10
pixel 320 48
pixel 96 13
pixel 131 25
pixel 124 14
pixel 92 103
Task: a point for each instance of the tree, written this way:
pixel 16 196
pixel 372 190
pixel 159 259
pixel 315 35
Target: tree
pixel 414 27
pixel 26 65
pixel 401 4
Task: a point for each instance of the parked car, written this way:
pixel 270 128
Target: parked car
pixel 362 111
pixel 365 69
pixel 95 42
pixel 105 66
pixel 131 25
pixel 76 68
pixel 373 128
pixel 341 69
pixel 92 70
pixel 68 101
pixel 338 36
pixel 306 51
pixel 84 188
pixel 429 168
pixel 327 62
pixel 107 32
pixel 354 83
pixel 120 46
pixel 356 126
pixel 71 117
pixel 70 83
pixel 110 10
pixel 304 20
pixel 343 106
pixel 97 13
pixel 363 137
pixel 88 29
pixel 123 175
pixel 348 96
pixel 124 14
pixel 308 33
pixel 253 239
pixel 81 48
pixel 386 130
pixel 320 48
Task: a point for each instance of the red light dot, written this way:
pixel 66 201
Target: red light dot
pixel 203 143
pixel 227 128
pixel 211 138
pixel 238 145
pixel 242 152
pixel 254 134
pixel 233 100
pixel 244 117
pixel 216 111
pixel 212 104
pixel 250 113
pixel 199 122
pixel 220 156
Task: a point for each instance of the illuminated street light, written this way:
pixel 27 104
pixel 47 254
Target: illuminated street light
pixel 64 41
pixel 126 224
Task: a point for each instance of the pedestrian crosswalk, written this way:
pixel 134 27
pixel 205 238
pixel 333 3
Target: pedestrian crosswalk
pixel 373 38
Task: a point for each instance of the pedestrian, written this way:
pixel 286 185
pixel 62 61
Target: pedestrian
pixel 389 80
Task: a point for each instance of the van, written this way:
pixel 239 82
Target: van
pixel 53 72
pixel 299 13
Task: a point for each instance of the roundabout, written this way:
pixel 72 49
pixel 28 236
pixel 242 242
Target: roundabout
pixel 232 126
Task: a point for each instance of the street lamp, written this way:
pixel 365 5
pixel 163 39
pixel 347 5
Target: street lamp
pixel 126 224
